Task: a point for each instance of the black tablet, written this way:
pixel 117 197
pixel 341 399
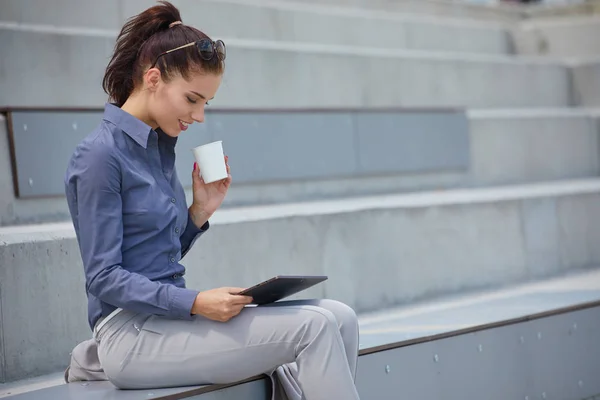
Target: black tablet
pixel 279 287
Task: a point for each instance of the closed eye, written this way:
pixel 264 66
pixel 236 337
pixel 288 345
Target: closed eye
pixel 191 100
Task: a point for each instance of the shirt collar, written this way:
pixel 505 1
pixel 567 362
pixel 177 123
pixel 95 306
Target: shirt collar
pixel 163 137
pixel 135 128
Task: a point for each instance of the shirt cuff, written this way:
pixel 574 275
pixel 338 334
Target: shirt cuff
pixel 191 233
pixel 182 302
pixel 191 228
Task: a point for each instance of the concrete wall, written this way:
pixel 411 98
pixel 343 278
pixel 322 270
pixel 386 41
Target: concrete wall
pixel 376 251
pixel 316 23
pixel 281 21
pixel 311 75
pixel 445 8
pixel 310 145
pixel 564 37
pixel 506 147
pixel 586 82
pixel 519 146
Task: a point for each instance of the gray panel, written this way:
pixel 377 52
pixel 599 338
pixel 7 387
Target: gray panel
pixel 484 365
pixel 262 146
pixel 281 146
pixel 389 142
pixel 44 142
pixel 557 357
pixel 565 352
pixel 404 373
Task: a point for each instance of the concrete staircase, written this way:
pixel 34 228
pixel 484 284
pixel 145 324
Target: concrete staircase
pixel 527 208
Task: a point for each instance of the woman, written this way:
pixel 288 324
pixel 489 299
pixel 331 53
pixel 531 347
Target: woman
pixel 133 227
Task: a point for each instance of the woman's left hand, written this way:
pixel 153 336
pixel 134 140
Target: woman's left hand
pixel 208 197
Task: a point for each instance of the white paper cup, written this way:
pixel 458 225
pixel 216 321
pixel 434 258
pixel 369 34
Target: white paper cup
pixel 211 160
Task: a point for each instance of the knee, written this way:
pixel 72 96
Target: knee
pixel 319 319
pixel 344 314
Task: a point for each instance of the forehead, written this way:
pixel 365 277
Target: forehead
pixel 199 82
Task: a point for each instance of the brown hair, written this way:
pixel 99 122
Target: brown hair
pixel 145 36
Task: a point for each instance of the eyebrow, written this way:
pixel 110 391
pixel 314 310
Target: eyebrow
pixel 199 95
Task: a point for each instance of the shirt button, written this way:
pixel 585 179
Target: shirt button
pixel 172 199
pixel 172 259
pixel 176 230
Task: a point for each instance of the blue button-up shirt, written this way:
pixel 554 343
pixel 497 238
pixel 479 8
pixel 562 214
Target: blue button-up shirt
pixel 131 219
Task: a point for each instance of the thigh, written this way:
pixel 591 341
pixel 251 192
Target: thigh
pixel 344 314
pixel 171 352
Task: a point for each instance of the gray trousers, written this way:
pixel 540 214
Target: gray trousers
pixel 308 348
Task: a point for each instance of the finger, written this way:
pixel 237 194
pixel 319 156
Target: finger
pixel 234 290
pixel 227 181
pixel 241 300
pixel 196 172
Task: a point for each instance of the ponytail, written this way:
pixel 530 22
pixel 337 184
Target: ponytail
pixel 142 38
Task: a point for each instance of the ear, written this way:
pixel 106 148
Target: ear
pixel 152 79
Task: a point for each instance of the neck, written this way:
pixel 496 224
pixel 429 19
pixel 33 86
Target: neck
pixel 137 106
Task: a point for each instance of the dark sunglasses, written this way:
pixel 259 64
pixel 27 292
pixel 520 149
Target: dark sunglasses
pixel 206 47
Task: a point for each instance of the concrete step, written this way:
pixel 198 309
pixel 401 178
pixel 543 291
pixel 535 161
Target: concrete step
pixel 378 251
pixel 492 10
pixel 505 147
pixel 558 37
pixel 276 74
pixel 407 325
pixel 444 8
pixel 290 22
pixel 322 24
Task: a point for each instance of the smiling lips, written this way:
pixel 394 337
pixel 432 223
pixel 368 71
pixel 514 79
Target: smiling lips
pixel 183 125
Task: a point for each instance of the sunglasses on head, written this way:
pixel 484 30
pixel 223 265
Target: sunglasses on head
pixel 206 48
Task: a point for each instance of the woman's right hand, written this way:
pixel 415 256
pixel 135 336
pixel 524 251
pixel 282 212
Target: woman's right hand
pixel 220 304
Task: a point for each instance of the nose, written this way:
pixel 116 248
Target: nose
pixel 198 115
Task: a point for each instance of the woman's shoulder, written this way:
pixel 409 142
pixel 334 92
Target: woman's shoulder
pixel 99 147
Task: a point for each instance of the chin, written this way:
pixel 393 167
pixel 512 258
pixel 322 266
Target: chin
pixel 173 132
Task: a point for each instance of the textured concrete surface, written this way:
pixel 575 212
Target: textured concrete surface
pixel 559 37
pixel 443 8
pixel 513 146
pixel 377 252
pixel 282 21
pixel 313 75
pixel 333 25
pixel 586 82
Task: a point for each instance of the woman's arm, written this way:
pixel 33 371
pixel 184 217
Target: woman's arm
pixel 100 223
pixel 197 225
pixel 207 199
